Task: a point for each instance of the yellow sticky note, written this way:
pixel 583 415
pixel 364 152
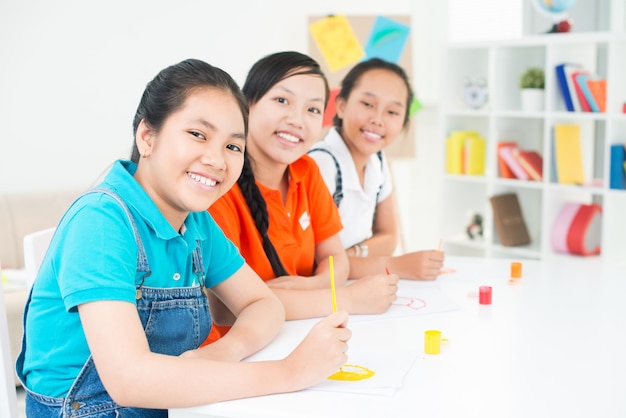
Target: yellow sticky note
pixel 336 41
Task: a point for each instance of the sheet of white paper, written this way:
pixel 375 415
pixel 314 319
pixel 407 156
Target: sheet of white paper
pixel 412 301
pixel 389 372
pixel 390 368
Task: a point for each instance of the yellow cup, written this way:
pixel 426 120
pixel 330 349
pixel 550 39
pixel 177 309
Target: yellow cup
pixel 432 342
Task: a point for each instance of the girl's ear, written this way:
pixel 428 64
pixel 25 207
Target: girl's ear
pixel 340 104
pixel 144 138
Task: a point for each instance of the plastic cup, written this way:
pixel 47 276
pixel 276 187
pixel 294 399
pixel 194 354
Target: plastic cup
pixel 432 341
pixel 484 295
pixel 516 270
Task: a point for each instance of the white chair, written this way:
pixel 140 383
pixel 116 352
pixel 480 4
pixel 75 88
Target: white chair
pixel 8 396
pixel 35 247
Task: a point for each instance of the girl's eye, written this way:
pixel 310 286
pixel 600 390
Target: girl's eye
pixel 282 100
pixel 367 104
pixel 234 147
pixel 393 112
pixel 315 110
pixel 197 134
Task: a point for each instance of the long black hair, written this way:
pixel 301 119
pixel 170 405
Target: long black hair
pixel 263 75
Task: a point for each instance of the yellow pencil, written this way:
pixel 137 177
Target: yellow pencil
pixel 332 289
pixel 439 248
pixel 332 283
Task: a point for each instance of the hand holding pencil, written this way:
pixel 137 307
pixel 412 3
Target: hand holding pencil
pixel 323 350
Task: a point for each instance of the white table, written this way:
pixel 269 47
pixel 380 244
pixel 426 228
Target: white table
pixel 552 345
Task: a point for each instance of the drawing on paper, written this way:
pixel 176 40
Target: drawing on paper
pixel 412 303
pixel 352 373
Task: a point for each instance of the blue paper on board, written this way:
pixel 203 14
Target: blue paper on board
pixel 387 40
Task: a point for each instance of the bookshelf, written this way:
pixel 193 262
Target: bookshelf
pixel 501 63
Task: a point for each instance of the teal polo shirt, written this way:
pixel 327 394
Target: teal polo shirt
pixel 93 257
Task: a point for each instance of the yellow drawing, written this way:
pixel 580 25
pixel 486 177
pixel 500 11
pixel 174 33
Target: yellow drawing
pixel 337 42
pixel 352 372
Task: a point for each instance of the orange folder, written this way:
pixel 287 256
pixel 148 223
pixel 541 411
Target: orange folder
pixel 598 90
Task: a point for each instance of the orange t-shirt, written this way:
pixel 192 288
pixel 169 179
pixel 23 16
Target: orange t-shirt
pixel 307 217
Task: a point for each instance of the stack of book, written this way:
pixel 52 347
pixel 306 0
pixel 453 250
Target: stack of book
pixel 465 153
pixel 516 163
pixel 581 90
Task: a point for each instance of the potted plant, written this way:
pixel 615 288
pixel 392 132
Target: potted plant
pixel 532 85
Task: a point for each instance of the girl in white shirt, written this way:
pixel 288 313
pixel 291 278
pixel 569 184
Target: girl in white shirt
pixel 372 110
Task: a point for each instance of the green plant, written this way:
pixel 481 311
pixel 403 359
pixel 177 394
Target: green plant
pixel 533 78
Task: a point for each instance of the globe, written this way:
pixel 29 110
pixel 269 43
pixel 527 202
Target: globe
pixel 556 10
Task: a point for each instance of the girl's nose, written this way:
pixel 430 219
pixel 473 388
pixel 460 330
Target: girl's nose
pixel 294 118
pixel 214 157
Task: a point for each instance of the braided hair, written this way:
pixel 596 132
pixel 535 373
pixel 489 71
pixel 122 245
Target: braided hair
pixel 263 75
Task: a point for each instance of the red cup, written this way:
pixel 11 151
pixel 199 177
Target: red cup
pixel 484 295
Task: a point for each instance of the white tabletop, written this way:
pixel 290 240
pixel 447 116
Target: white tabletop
pixel 551 345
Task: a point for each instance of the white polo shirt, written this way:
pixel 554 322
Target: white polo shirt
pixel 359 203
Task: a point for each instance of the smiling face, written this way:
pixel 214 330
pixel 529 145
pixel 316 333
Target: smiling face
pixel 195 157
pixel 373 114
pixel 287 120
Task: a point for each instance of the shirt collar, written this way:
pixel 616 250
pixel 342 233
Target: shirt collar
pixel 121 180
pixel 374 173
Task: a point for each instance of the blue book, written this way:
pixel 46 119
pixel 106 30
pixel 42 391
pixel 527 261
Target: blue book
pixel 561 76
pixel 582 82
pixel 618 173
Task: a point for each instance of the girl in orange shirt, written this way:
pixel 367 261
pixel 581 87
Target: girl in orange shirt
pixel 280 214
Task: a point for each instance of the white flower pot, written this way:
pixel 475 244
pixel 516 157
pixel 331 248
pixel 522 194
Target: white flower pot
pixel 532 100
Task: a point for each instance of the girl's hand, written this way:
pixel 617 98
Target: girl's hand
pixel 370 294
pixel 419 265
pixel 322 352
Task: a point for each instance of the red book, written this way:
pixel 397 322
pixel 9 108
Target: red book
pixel 584 105
pixel 505 171
pixel 531 162
pixel 506 153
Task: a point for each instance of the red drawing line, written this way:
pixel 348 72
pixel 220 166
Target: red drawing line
pixel 411 303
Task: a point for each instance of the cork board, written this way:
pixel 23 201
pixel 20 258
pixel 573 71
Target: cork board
pixel 338 42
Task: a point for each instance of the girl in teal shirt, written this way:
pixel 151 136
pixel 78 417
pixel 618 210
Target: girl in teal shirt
pixel 119 307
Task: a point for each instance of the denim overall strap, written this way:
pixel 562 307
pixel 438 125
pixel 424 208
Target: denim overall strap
pixel 142 264
pixel 175 320
pixel 142 258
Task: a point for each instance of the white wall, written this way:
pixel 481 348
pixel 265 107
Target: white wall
pixel 72 72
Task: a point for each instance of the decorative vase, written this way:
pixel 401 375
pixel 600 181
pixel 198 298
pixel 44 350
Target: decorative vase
pixel 532 100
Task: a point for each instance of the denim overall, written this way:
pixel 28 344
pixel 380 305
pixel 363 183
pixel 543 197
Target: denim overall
pixel 174 319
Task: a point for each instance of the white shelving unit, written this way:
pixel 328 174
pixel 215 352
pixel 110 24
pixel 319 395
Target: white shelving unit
pixel 501 64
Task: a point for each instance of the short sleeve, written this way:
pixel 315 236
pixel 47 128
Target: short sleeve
pixel 325 214
pixel 387 186
pixel 326 166
pixel 223 256
pixel 95 254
